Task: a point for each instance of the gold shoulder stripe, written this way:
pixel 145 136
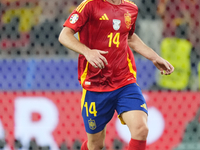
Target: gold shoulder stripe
pixel 85 5
pixel 82 5
pixel 78 8
pixel 130 2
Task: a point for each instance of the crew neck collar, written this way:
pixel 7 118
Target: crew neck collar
pixel 122 1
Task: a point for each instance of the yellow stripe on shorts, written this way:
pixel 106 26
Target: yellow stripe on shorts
pixel 83 98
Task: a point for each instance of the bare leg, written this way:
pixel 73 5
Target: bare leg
pixel 96 141
pixel 136 121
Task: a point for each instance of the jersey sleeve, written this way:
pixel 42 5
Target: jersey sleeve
pixel 131 57
pixel 132 30
pixel 79 16
pixel 133 26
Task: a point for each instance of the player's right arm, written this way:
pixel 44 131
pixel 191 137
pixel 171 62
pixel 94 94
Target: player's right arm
pixel 76 21
pixel 140 47
pixel 94 57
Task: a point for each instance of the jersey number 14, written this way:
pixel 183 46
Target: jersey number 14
pixel 114 39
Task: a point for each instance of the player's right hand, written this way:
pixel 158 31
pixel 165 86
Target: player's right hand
pixel 163 65
pixel 96 59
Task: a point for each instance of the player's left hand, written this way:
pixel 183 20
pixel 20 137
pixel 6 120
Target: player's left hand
pixel 163 65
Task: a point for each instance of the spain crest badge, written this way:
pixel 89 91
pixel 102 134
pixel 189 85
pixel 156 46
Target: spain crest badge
pixel 127 17
pixel 92 124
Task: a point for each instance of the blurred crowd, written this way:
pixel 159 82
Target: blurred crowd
pixel 30 29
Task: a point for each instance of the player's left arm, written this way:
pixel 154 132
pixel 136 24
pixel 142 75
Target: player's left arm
pixel 140 47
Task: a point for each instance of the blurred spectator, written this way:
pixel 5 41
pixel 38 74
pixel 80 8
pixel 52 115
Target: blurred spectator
pixel 16 21
pixel 31 27
pixel 181 20
pixel 43 37
pixel 149 21
pixel 181 13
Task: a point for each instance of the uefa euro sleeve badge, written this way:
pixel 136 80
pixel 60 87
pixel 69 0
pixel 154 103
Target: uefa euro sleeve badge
pixel 74 18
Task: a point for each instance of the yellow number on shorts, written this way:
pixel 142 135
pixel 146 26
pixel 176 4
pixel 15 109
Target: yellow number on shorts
pixel 92 109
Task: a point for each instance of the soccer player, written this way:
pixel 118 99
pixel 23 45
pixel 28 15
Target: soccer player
pixel 106 68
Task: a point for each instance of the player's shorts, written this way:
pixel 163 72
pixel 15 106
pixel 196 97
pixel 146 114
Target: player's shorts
pixel 98 107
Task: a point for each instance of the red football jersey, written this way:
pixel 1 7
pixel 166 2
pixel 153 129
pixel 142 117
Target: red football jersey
pixel 104 26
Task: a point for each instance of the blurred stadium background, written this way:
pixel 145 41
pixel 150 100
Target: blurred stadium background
pixel 40 94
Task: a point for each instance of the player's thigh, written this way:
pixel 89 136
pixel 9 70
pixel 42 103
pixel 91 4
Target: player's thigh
pixel 131 100
pixel 96 140
pixel 135 119
pixel 97 110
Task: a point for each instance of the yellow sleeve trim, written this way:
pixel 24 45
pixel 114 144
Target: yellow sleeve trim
pixel 82 5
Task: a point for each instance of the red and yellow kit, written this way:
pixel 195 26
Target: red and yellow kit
pixel 104 26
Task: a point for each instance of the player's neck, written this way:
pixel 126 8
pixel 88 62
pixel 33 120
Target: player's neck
pixel 115 2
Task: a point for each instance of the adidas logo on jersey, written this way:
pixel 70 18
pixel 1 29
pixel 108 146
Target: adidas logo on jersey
pixel 104 17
